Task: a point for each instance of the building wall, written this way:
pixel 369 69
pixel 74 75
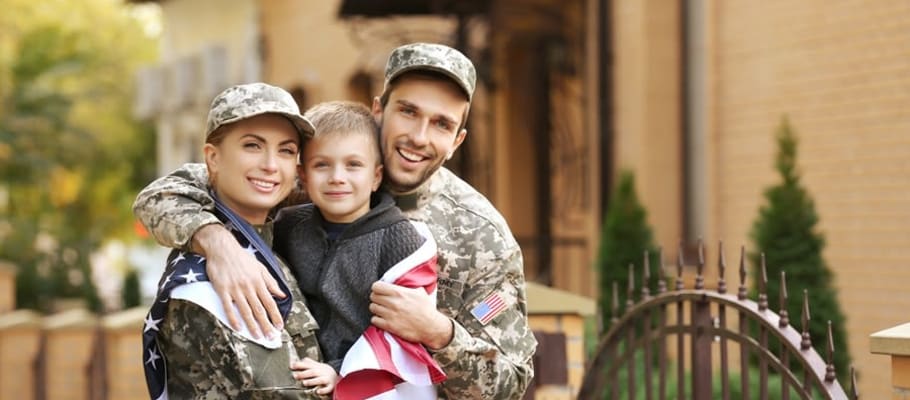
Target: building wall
pixel 306 44
pixel 647 136
pixel 841 72
pixel 191 25
pixel 202 52
pixel 538 53
pixel 298 51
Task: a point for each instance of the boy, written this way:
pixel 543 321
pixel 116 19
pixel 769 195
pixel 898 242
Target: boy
pixel 350 236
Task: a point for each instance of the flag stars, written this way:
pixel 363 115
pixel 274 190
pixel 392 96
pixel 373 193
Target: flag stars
pixel 150 323
pixel 167 279
pixel 179 258
pixel 250 249
pixel 190 276
pixel 153 356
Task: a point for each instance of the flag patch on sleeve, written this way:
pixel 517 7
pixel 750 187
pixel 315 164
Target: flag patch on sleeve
pixel 489 308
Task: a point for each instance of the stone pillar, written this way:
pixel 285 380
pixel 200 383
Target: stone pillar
pixel 895 342
pixel 70 339
pixel 20 340
pixel 7 287
pixel 123 351
pixel 558 321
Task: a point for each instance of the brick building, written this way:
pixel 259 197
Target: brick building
pixel 699 88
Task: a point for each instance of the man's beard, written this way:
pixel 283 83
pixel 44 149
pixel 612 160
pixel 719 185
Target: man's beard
pixel 389 155
pixel 415 180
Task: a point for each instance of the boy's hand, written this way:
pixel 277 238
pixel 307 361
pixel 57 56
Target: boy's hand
pixel 314 373
pixel 239 278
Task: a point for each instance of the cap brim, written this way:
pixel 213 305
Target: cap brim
pixel 305 128
pixel 419 67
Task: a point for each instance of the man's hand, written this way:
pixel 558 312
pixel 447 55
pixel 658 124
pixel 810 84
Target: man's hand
pixel 411 314
pixel 313 373
pixel 240 279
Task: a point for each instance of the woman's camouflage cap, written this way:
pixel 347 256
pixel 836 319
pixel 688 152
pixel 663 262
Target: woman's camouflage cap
pixel 432 57
pixel 248 100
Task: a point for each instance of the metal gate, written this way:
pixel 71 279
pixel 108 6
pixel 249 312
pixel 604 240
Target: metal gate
pixel 734 347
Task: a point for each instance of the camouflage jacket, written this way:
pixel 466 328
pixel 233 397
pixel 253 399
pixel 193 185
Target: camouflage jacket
pixel 490 355
pixel 208 360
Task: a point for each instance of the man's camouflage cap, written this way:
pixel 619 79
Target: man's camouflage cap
pixel 432 57
pixel 248 100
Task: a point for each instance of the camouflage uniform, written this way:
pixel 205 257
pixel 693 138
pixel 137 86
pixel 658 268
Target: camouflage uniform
pixel 208 360
pixel 478 256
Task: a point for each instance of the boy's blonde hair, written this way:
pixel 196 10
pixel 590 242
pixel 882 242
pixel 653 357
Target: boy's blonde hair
pixel 344 118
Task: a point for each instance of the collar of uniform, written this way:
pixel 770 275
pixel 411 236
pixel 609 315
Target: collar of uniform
pixel 265 232
pixel 422 196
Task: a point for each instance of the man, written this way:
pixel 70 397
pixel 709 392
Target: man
pixel 478 332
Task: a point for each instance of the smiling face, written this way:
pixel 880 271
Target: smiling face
pixel 420 129
pixel 340 171
pixel 252 164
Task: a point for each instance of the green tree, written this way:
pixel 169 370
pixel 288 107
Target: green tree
pixel 785 231
pixel 624 238
pixel 131 293
pixel 71 156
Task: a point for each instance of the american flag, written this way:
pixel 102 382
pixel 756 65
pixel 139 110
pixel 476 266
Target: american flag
pixel 383 366
pixel 185 267
pixel 489 308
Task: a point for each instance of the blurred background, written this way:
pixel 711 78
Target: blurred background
pixel 685 101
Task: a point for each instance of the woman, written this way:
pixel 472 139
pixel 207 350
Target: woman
pixel 252 141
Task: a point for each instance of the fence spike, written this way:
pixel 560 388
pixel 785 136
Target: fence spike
pixel 784 315
pixel 763 286
pixel 646 278
pixel 806 343
pixel 679 267
pixel 722 267
pixel 700 268
pixel 830 372
pixel 614 318
pixel 631 291
pixel 661 279
pixel 743 291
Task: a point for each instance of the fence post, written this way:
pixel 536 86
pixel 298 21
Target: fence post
pixel 20 338
pixel 895 342
pixel 123 353
pixel 701 349
pixel 70 337
pixel 7 287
